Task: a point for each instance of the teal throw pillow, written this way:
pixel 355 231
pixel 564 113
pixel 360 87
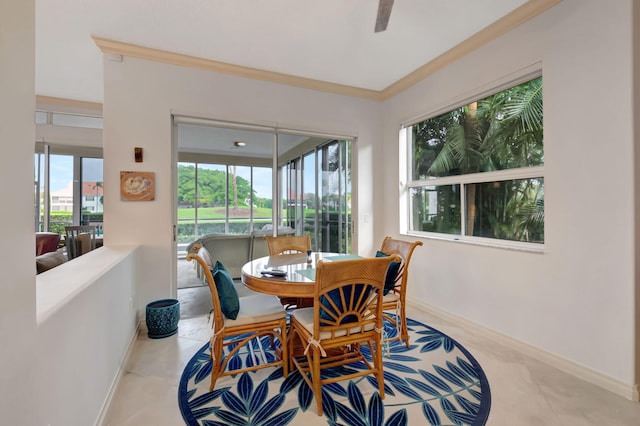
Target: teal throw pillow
pixel 392 273
pixel 217 267
pixel 227 293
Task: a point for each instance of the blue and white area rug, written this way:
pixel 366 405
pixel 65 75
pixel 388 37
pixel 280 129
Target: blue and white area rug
pixel 434 382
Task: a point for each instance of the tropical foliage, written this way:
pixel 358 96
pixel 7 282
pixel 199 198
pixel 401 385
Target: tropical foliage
pixel 500 132
pixel 211 188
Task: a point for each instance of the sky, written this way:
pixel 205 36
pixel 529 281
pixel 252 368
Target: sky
pixel 61 172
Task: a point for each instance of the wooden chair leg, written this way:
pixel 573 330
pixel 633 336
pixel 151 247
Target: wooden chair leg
pixel 290 345
pixel 216 360
pixel 315 378
pixel 285 348
pixel 403 326
pixel 379 367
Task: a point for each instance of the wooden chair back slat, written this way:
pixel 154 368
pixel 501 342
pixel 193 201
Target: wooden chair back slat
pixel 288 244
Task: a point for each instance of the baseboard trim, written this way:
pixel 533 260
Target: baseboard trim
pixel 631 392
pixel 116 380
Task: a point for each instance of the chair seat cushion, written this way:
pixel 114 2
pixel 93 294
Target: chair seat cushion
pixel 262 307
pixel 392 273
pixel 229 300
pixel 244 291
pixel 392 297
pixel 84 243
pixel 305 317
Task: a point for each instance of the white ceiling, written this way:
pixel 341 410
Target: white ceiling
pixel 213 140
pixel 328 40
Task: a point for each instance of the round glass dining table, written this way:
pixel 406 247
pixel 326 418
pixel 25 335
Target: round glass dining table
pixel 286 275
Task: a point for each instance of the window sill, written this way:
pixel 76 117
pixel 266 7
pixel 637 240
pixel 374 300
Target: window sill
pixel 483 242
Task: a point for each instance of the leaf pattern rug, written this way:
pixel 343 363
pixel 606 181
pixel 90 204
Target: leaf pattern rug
pixel 436 381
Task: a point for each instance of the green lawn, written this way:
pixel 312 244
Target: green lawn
pixel 219 213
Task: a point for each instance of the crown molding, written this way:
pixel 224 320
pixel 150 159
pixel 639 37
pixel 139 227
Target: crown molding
pixel 157 55
pixel 68 104
pixel 510 21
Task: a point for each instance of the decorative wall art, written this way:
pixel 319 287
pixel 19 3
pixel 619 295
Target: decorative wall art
pixel 137 186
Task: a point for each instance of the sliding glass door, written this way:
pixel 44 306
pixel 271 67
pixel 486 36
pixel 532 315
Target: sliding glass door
pixel 318 196
pixel 227 184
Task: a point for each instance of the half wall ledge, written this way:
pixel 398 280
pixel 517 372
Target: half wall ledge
pixel 57 286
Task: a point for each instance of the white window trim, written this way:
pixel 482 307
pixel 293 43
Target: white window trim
pixel 480 241
pixel 405 156
pixel 481 177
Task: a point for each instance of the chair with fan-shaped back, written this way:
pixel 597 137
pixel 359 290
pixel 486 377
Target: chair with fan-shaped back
pixel 346 314
pixel 396 291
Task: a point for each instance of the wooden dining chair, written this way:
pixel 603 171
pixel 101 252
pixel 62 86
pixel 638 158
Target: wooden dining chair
pixel 395 298
pixel 288 244
pixel 346 313
pixel 79 240
pixel 256 316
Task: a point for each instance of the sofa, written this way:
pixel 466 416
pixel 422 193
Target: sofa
pixel 47 254
pixel 49 260
pixel 234 250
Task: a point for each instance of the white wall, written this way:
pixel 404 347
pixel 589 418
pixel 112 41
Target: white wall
pixel 576 300
pixel 86 327
pixel 636 129
pixel 17 286
pixel 139 97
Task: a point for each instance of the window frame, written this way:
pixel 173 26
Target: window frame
pixel 406 165
pixel 43 153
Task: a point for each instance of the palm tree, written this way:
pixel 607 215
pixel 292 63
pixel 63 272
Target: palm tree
pixel 95 187
pixel 500 132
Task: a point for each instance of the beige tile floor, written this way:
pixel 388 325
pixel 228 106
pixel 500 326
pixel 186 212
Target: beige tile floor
pixel 524 391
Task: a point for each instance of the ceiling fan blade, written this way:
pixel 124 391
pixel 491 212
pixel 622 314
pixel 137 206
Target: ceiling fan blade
pixel 384 11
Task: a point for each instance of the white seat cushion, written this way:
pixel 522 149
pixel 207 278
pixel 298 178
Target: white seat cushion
pixel 390 297
pixel 305 317
pixel 262 307
pixel 244 291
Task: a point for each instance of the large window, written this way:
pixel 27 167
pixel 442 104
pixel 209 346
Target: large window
pixel 68 189
pixel 477 171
